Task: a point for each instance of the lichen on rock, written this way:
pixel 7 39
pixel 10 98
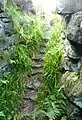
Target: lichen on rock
pixel 72 84
pixel 72 87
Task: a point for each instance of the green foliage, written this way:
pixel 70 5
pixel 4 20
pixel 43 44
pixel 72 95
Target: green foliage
pixel 28 34
pixel 10 91
pixel 21 59
pixel 52 59
pixel 51 101
pixel 28 29
pixel 51 106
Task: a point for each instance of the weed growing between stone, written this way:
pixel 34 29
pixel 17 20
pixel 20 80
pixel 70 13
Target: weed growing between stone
pixel 51 101
pixel 28 32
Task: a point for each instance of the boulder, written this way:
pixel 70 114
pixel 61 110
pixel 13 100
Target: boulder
pixel 68 6
pixel 25 4
pixel 72 84
pixel 71 50
pixel 70 64
pixel 2 2
pixel 72 87
pixel 74 28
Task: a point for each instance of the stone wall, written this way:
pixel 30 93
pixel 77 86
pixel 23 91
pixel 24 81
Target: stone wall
pixel 73 33
pixel 6 34
pixel 72 54
pixel 73 43
pixel 27 5
pixel 68 6
pixel 6 40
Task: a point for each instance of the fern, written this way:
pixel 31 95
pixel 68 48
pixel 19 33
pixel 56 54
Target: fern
pixel 51 101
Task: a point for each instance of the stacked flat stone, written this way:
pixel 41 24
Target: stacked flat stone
pixel 71 12
pixel 68 6
pixel 6 40
pixel 72 15
pixel 27 5
pixel 73 43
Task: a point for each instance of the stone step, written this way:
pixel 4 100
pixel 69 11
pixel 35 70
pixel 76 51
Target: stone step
pixel 37 66
pixel 44 45
pixel 39 59
pixel 37 77
pixel 34 83
pixel 36 72
pixel 42 50
pixel 30 95
pixel 27 107
pixel 39 69
pixel 47 35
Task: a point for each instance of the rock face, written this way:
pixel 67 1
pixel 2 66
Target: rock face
pixel 6 41
pixel 68 6
pixel 25 4
pixel 74 28
pixel 73 43
pixel 72 55
pixel 72 84
pixel 6 33
pixel 1 3
pixel 73 90
pixel 70 10
pixel 71 50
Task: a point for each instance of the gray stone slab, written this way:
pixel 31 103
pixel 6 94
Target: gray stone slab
pixel 25 4
pixel 4 15
pixel 72 65
pixel 68 6
pixel 74 28
pixel 6 43
pixel 71 50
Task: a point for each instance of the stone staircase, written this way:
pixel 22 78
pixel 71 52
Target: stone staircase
pixel 34 82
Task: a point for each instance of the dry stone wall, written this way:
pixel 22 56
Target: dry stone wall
pixel 25 4
pixel 72 54
pixel 73 33
pixel 68 6
pixel 6 33
pixel 6 40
